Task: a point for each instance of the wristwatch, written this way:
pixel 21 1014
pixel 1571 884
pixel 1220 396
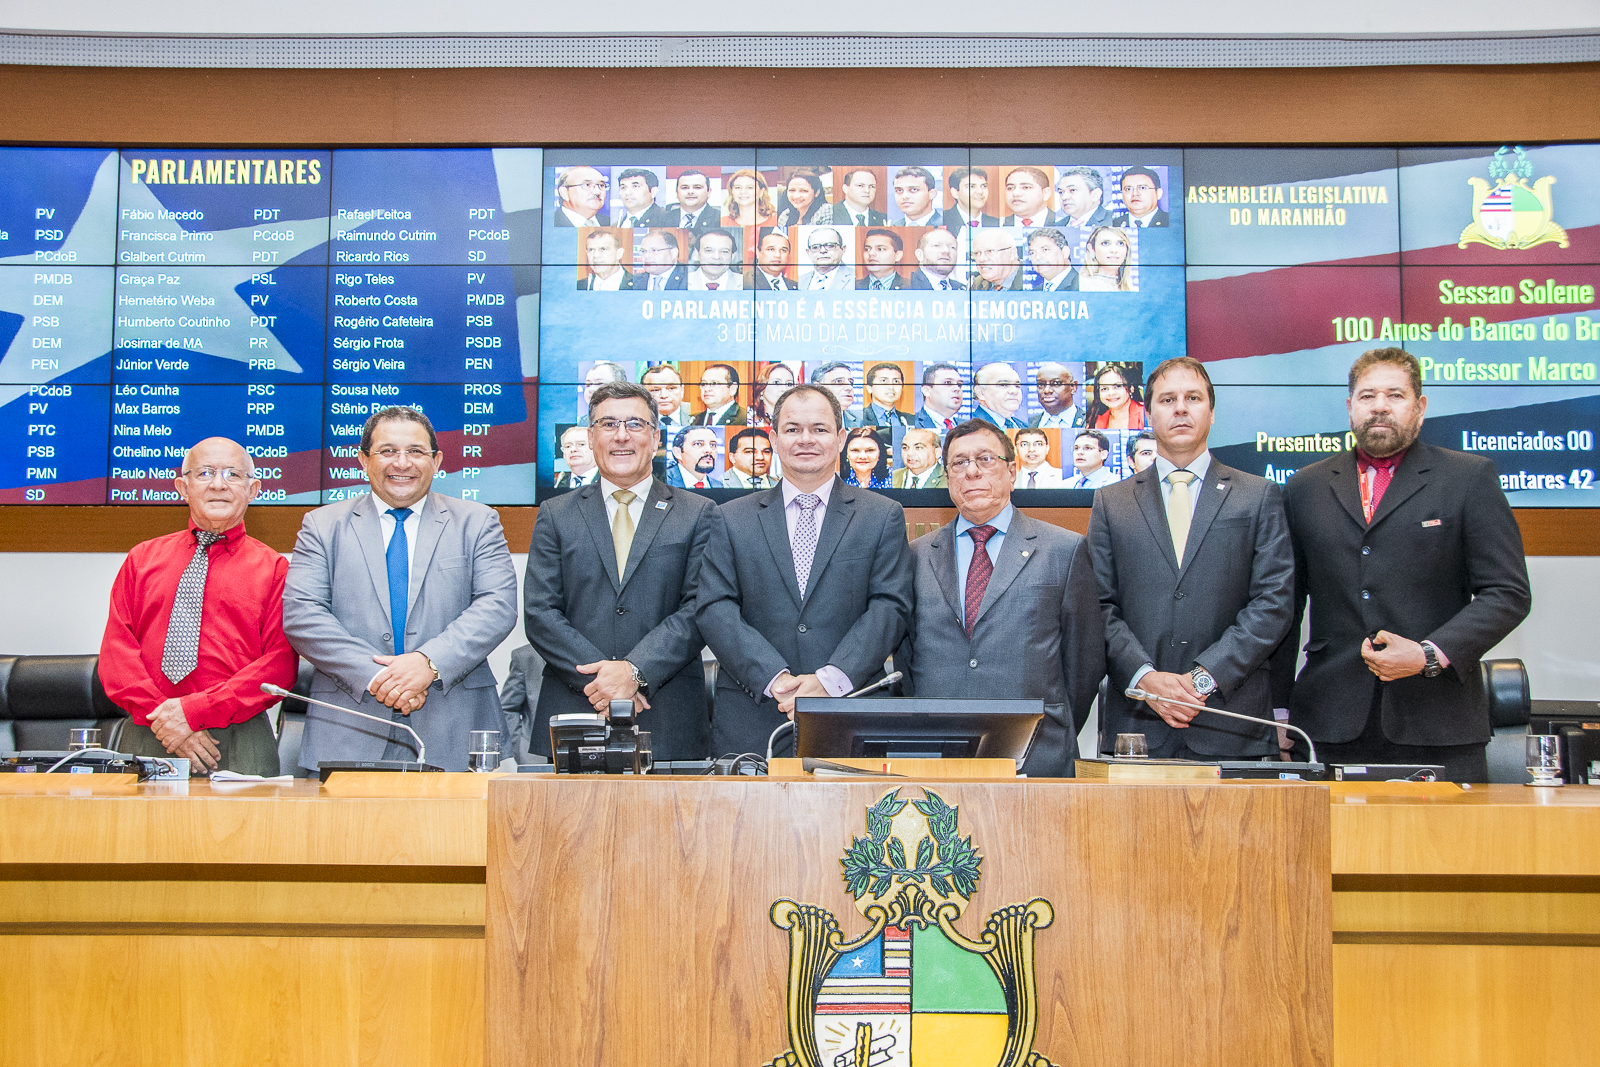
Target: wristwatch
pixel 431 667
pixel 638 679
pixel 1204 684
pixel 1430 658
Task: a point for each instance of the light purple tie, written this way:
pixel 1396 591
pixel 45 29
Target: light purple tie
pixel 805 538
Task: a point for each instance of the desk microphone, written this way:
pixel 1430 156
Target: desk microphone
pixel 280 691
pixel 1140 694
pixel 888 679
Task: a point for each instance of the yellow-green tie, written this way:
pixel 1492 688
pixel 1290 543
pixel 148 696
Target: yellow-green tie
pixel 622 529
pixel 1180 510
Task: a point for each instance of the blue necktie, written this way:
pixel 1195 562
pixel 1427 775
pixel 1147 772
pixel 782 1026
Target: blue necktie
pixel 399 561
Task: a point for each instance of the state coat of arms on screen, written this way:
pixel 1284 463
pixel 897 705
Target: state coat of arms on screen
pixel 1507 212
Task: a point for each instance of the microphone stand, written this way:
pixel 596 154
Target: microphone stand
pixel 1139 694
pixel 280 691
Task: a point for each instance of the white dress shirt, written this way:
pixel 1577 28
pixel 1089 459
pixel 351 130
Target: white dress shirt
pixel 1164 467
pixel 835 681
pixel 1101 476
pixel 1046 477
pixel 387 524
pixel 730 280
pixel 635 509
pixel 609 285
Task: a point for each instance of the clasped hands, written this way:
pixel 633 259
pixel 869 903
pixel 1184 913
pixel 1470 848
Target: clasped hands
pixel 613 680
pixel 786 688
pixel 403 683
pixel 1161 684
pixel 172 729
pixel 1400 657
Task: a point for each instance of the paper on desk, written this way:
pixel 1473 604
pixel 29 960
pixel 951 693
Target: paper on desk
pixel 235 776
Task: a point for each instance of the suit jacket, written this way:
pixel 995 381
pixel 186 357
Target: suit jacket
pixel 842 217
pixel 843 277
pixel 587 283
pixel 899 219
pixel 1101 216
pixel 1077 418
pixel 1039 633
pixel 1160 218
pixel 1050 218
pixel 564 478
pixel 655 217
pixel 734 417
pixel 761 281
pixel 1068 285
pixel 577 609
pixel 1225 606
pixel 955 221
pixel 903 478
pixel 675 478
pixel 561 219
pixel 462 604
pixel 519 703
pixel 734 478
pixel 930 422
pixel 750 611
pixel 919 280
pixel 896 281
pixel 866 415
pixel 1009 422
pixel 709 218
pixel 1441 561
pixel 1019 282
pixel 678 279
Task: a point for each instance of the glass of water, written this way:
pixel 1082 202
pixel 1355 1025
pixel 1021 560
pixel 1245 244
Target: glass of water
pixel 1131 746
pixel 483 754
pixel 80 739
pixel 1544 760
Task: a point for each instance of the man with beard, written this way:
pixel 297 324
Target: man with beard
pixel 695 449
pixel 751 454
pixel 1413 563
pixel 919 450
pixel 1058 391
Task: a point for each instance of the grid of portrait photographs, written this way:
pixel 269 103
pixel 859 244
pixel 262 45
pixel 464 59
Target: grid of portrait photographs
pixel 923 287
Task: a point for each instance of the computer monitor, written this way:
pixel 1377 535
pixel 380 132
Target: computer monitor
pixel 913 728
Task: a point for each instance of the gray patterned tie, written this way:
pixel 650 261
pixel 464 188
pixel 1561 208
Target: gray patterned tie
pixel 805 538
pixel 182 650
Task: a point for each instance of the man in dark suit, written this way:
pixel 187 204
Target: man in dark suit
pixel 773 260
pixel 604 259
pixel 1417 545
pixel 915 198
pixel 719 392
pixel 580 194
pixel 1006 605
pixel 692 212
pixel 608 600
pixel 885 383
pixel 855 204
pixel 970 188
pixel 806 587
pixel 695 451
pixel 658 263
pixel 1141 195
pixel 636 188
pixel 938 253
pixel 1079 193
pixel 1028 196
pixel 1196 580
pixel 994 253
pixel 881 253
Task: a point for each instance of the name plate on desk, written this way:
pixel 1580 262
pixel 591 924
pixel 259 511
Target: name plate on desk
pixel 905 768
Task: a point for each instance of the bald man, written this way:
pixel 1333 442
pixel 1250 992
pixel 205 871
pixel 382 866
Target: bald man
pixel 196 625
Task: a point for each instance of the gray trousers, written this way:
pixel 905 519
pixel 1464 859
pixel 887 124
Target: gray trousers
pixel 246 747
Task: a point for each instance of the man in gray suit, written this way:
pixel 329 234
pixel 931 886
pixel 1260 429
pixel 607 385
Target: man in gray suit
pixel 1196 576
pixel 609 596
pixel 1006 605
pixel 825 246
pixel 806 587
pixel 400 594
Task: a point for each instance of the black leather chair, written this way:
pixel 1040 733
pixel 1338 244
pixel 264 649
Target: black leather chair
pixel 43 697
pixel 1510 704
pixel 292 724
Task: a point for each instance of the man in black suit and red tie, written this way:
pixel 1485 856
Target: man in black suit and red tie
pixel 1413 563
pixel 970 187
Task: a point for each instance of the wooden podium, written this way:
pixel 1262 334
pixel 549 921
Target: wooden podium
pixel 656 921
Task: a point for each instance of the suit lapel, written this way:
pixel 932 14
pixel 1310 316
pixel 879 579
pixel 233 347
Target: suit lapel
pixel 1213 491
pixel 429 530
pixel 1408 478
pixel 649 526
pixel 1147 489
pixel 947 573
pixel 369 534
pixel 1015 551
pixel 1346 487
pixel 776 527
pixel 841 509
pixel 593 510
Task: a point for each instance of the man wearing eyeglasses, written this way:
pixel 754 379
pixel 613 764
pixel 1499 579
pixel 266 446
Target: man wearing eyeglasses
pixel 1006 605
pixel 580 194
pixel 609 594
pixel 400 595
pixel 658 263
pixel 196 625
pixel 826 249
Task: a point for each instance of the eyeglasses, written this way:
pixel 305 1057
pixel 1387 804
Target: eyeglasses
pixel 592 186
pixel 609 425
pixel 824 246
pixel 986 461
pixel 389 455
pixel 229 475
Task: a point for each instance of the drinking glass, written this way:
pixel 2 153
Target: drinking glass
pixel 1131 746
pixel 1544 760
pixel 80 739
pixel 483 754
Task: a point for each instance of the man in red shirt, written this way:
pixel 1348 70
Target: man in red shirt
pixel 196 626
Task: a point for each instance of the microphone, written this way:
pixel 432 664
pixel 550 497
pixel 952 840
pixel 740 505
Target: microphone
pixel 1140 694
pixel 888 679
pixel 280 691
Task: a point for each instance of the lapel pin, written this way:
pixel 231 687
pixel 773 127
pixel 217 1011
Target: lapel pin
pixel 1433 522
pixel 661 505
pixel 1024 555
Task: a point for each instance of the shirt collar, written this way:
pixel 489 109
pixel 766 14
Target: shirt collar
pixel 1001 522
pixel 790 492
pixel 229 537
pixel 1366 462
pixel 1199 466
pixel 640 489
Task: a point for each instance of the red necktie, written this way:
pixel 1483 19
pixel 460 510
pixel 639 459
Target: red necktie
pixel 949 424
pixel 700 484
pixel 978 572
pixel 711 285
pixel 1027 222
pixel 1382 475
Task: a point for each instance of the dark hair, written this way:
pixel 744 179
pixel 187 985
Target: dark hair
pixel 894 238
pixel 972 426
pixel 919 172
pixel 749 431
pixel 881 468
pixel 768 231
pixel 1133 442
pixel 826 368
pixel 933 368
pixel 1053 235
pixel 1146 171
pixel 715 231
pixel 961 174
pixel 1394 357
pixel 811 178
pixel 819 390
pixel 655 367
pixel 397 413
pixel 733 375
pixel 1088 174
pixel 623 391
pixel 851 173
pixel 1036 173
pixel 1100 439
pixel 685 174
pixel 1129 373
pixel 649 176
pixel 1031 431
pixel 1167 366
pixel 683 435
pixel 876 367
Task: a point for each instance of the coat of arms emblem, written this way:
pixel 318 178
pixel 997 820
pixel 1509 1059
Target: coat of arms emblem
pixel 912 991
pixel 1510 213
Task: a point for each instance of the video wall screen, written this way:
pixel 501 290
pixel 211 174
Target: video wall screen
pixel 152 297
